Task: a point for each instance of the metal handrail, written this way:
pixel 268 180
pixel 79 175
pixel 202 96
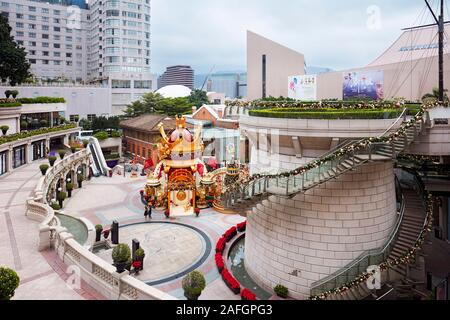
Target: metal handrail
pixel 402 116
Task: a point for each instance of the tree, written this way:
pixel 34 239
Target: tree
pixel 435 94
pixel 198 98
pixel 156 103
pixel 14 66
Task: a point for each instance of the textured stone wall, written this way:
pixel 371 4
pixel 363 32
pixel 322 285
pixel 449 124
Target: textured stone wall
pixel 295 242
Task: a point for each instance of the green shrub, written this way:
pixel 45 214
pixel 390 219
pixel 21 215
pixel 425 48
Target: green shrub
pixel 281 291
pixel 140 253
pixel 61 196
pixel 115 134
pixel 23 125
pixel 330 114
pixel 52 160
pixel 98 227
pixel 55 206
pixel 43 168
pixel 112 156
pixel 121 253
pixel 23 135
pixel 62 153
pixel 85 143
pixel 14 93
pixel 193 284
pixel 4 129
pixel 41 100
pixel 10 104
pixel 80 177
pixel 69 186
pixel 9 281
pixel 102 135
pixel 43 123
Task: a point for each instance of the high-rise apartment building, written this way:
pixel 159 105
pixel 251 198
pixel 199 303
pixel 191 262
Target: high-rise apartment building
pixel 177 75
pixel 54 36
pixel 106 41
pixel 233 84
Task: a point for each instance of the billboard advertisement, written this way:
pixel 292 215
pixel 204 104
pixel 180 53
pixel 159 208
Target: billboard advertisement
pixel 303 87
pixel 368 84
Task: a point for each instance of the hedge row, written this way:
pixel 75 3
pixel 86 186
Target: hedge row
pixel 327 114
pixel 10 105
pixel 23 135
pixel 41 100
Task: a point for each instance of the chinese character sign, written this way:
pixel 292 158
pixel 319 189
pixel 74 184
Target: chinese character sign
pixel 363 85
pixel 303 87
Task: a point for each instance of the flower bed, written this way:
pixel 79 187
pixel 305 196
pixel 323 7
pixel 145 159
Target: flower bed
pixel 220 246
pixel 331 114
pixel 242 226
pixel 230 281
pixel 247 295
pixel 230 233
pixel 219 262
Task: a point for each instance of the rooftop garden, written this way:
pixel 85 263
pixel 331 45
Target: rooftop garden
pixel 27 134
pixel 11 100
pixel 326 109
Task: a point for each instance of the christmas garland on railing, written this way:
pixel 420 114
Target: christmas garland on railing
pixel 356 105
pixel 389 263
pixel 347 150
pixel 419 159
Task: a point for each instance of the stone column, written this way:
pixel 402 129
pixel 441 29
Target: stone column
pixel 29 152
pixel 10 159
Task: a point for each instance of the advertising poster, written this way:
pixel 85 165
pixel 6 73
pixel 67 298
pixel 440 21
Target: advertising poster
pixel 363 85
pixel 303 87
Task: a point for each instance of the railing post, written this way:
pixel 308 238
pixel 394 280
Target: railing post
pixel 287 185
pixel 303 180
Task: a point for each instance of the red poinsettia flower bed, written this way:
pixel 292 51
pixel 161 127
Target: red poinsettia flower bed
pixel 247 295
pixel 230 281
pixel 241 226
pixel 230 233
pixel 219 262
pixel 220 246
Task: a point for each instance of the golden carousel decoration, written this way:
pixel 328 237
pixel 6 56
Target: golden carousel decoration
pixel 180 183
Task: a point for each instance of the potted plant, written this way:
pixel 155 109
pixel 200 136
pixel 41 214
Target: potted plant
pixel 61 196
pixel 4 129
pixel 98 232
pixel 7 94
pixel 85 143
pixel 44 168
pixel 23 125
pixel 61 153
pixel 80 180
pixel 197 211
pixel 139 256
pixel 121 254
pixel 281 291
pixel 193 285
pixel 106 233
pixel 137 266
pixel 9 281
pixel 43 123
pixel 55 206
pixel 52 160
pixel 14 93
pixel 69 188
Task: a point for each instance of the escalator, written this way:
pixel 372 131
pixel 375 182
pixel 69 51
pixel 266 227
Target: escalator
pixel 99 166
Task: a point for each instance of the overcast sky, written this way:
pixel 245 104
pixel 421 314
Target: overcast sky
pixel 330 33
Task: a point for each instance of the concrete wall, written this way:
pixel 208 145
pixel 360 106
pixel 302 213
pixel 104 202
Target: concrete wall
pixel 295 242
pixel 399 80
pixel 281 62
pixel 11 117
pixel 80 100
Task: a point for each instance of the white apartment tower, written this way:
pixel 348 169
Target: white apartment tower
pixel 104 42
pixel 54 36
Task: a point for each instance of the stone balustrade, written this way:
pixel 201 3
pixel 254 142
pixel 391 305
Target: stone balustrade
pixel 95 271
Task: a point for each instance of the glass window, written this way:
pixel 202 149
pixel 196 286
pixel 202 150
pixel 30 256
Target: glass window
pixel 57 29
pixel 19 33
pixel 56 45
pixel 45 44
pixel 31 26
pixel 19 15
pixel 45 19
pixel 57 62
pixel 31 17
pixel 45 10
pixel 32 35
pixel 121 84
pixel 19 25
pixel 142 84
pixel 56 12
pixel 44 36
pixel 32 9
pixel 57 54
pixel 45 27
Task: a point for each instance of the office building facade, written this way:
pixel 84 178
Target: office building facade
pixel 177 75
pixel 232 84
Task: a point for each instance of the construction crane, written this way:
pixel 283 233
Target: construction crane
pixel 207 76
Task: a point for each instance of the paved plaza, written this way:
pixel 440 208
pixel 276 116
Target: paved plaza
pixel 42 274
pixel 170 248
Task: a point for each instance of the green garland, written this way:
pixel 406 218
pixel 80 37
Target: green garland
pixel 389 263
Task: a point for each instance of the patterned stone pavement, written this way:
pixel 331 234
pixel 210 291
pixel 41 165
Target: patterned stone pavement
pixel 42 275
pixel 105 199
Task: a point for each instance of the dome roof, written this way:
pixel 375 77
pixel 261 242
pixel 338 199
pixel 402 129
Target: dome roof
pixel 176 91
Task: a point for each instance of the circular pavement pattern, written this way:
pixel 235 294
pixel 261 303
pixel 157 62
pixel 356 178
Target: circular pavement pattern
pixel 171 249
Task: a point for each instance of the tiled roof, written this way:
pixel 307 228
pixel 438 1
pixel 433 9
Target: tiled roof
pixel 149 123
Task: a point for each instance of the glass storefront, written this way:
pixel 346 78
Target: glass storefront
pixel 38 149
pixel 3 162
pixel 19 156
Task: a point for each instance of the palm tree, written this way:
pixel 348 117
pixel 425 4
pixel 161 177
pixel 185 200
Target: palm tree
pixel 435 94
